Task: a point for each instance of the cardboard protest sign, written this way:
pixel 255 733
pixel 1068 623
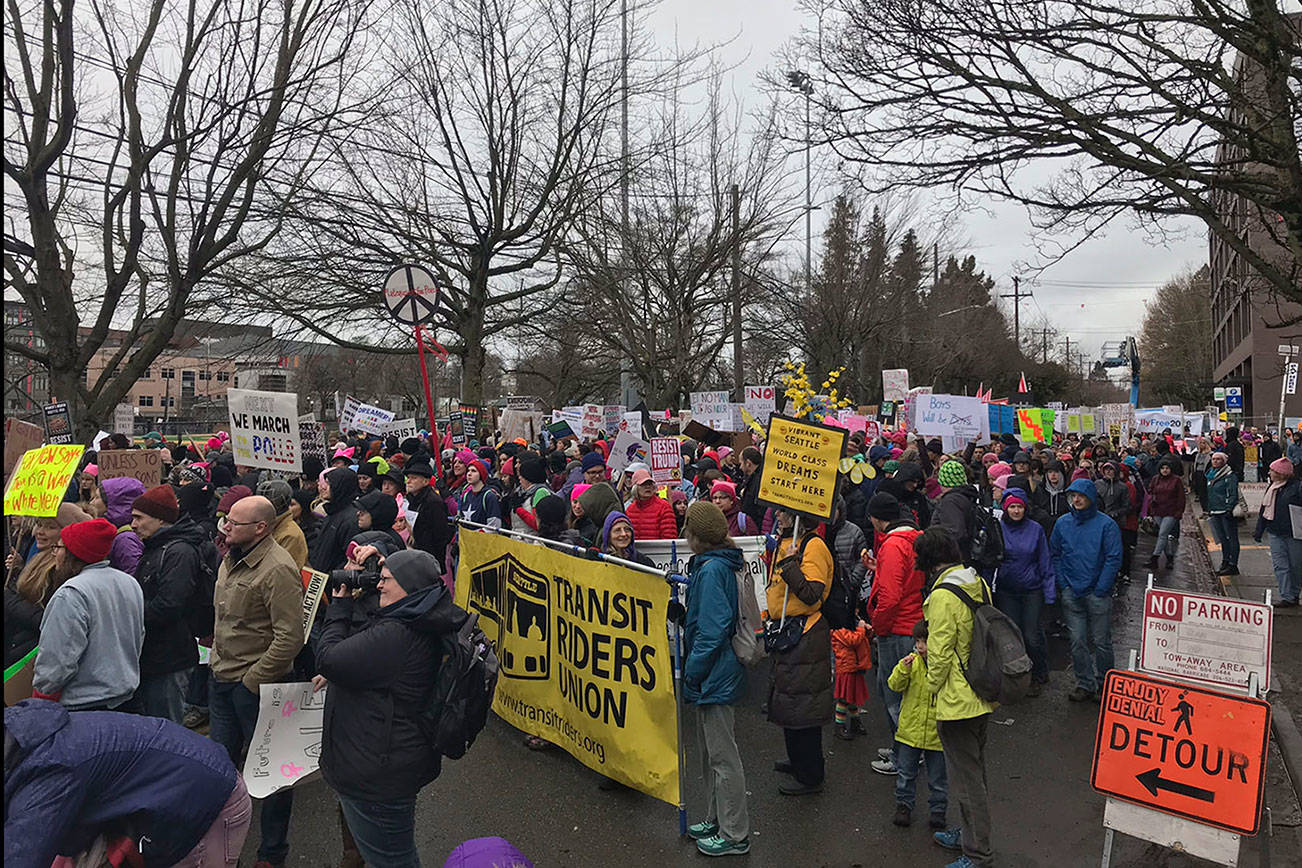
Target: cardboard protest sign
pixel 286 745
pixel 520 423
pixel 58 423
pixel 701 434
pixel 666 461
pixel 895 384
pixel 672 554
pixel 712 410
pixel 19 437
pixel 124 419
pixel 627 449
pixel 590 421
pixel 143 464
pixel 356 416
pixel 800 466
pixel 611 416
pixel 39 482
pixel 401 428
pixel 760 402
pixel 264 429
pixel 584 655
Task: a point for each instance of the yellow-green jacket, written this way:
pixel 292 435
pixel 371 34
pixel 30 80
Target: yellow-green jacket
pixel 918 708
pixel 949 644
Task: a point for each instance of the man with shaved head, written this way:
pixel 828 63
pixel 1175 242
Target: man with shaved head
pixel 257 633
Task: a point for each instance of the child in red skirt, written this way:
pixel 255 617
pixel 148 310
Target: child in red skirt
pixel 853 651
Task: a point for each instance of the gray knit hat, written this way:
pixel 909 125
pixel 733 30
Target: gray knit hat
pixel 706 522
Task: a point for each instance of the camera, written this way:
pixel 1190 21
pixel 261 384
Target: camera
pixel 366 579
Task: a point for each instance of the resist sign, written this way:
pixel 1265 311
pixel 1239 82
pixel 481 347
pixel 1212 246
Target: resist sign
pixel 1211 640
pixel 264 429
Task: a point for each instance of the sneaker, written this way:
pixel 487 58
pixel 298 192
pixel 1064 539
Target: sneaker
pixel 937 821
pixel 783 767
pixel 885 753
pixel 843 731
pixel 716 845
pixel 697 831
pixel 796 788
pixel 961 862
pixel 1079 694
pixel 885 767
pixel 950 839
pixel 903 815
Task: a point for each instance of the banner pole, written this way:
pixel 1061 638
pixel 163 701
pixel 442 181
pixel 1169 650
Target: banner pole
pixel 424 375
pixel 678 701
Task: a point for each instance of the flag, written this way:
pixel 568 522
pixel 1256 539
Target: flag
pixel 1021 385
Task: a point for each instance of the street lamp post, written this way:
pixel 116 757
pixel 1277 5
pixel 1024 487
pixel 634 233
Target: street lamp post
pixel 801 81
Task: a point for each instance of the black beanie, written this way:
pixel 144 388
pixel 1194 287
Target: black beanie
pixel 551 510
pixel 414 569
pixel 884 506
pixel 532 468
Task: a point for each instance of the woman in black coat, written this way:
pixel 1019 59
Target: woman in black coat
pixel 380 675
pixel 340 523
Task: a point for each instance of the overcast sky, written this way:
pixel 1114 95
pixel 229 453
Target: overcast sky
pixel 1111 276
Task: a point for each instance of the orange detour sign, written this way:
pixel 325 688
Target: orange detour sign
pixel 1183 750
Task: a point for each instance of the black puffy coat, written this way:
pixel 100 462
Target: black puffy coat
pixel 431 531
pixel 340 524
pixel 380 677
pixel 170 571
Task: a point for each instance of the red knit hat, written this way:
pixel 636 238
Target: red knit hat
pixel 479 466
pixel 160 502
pixel 89 541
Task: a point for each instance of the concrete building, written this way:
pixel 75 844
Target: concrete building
pixel 1245 343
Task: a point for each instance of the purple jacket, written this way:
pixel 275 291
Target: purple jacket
pixel 119 494
pixel 1028 564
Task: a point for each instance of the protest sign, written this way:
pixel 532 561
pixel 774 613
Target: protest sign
pixel 456 429
pixel 401 428
pixel 19 437
pixel 124 419
pixel 584 655
pixel 1088 424
pixel 525 403
pixel 590 421
pixel 895 384
pixel 312 437
pixel 711 410
pixel 470 417
pixel 366 418
pixel 666 461
pixel 143 464
pixel 565 424
pixel 670 554
pixel 611 416
pixel 314 585
pixel 626 449
pixel 760 402
pixel 1153 421
pixel 40 480
pixel 800 466
pixel 58 423
pixel 1035 425
pixel 520 423
pixel 286 745
pixel 956 419
pixel 264 429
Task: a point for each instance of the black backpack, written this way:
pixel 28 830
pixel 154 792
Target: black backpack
pixel 458 705
pixel 840 607
pixel 998 668
pixel 987 539
pixel 201 614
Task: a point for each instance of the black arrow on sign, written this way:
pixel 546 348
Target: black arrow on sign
pixel 1153 781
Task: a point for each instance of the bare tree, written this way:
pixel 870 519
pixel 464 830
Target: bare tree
pixel 1144 107
pixel 1176 341
pixel 148 148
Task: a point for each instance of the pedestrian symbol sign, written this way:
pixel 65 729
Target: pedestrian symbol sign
pixel 1181 749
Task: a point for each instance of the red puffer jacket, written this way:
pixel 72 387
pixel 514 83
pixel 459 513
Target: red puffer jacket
pixel 895 602
pixel 652 518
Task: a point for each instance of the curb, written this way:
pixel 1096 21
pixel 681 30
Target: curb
pixel 1283 727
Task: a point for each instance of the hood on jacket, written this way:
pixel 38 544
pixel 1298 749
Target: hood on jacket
pixel 343 489
pixel 731 558
pixel 1087 488
pixel 428 610
pixel 611 518
pixel 909 471
pixel 31 723
pixel 598 501
pixel 185 530
pixel 878 453
pixel 119 494
pixel 381 507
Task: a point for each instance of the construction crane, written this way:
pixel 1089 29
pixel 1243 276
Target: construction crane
pixel 1124 354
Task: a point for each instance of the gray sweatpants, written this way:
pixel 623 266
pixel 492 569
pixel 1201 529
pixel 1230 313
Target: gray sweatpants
pixel 964 742
pixel 725 780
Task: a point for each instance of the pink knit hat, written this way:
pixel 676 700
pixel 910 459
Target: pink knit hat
pixel 999 470
pixel 1282 466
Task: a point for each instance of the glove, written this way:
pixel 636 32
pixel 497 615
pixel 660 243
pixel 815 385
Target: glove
pixel 676 613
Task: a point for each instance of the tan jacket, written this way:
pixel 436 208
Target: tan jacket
pixel 289 535
pixel 259 625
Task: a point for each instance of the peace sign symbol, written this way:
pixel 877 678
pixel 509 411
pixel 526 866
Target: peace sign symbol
pixel 411 294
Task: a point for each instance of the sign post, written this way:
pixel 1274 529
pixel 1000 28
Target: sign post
pixel 412 296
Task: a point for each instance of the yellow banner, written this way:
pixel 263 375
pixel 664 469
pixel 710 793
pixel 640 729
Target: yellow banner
pixel 800 466
pixel 41 479
pixel 584 654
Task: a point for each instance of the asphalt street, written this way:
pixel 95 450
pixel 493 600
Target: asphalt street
pixel 1044 812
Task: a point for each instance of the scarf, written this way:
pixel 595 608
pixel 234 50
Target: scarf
pixel 1268 502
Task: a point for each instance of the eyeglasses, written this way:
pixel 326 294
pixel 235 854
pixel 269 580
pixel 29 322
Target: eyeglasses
pixel 229 523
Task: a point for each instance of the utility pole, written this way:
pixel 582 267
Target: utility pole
pixel 1066 355
pixel 626 365
pixel 935 265
pixel 737 377
pixel 1017 295
pixel 1044 350
pixel 1081 358
pixel 801 81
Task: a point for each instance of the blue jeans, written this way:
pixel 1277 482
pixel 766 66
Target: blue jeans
pixel 1168 535
pixel 891 650
pixel 1226 531
pixel 233 716
pixel 1286 559
pixel 1089 620
pixel 385 832
pixel 162 695
pixel 1023 607
pixel 907 758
